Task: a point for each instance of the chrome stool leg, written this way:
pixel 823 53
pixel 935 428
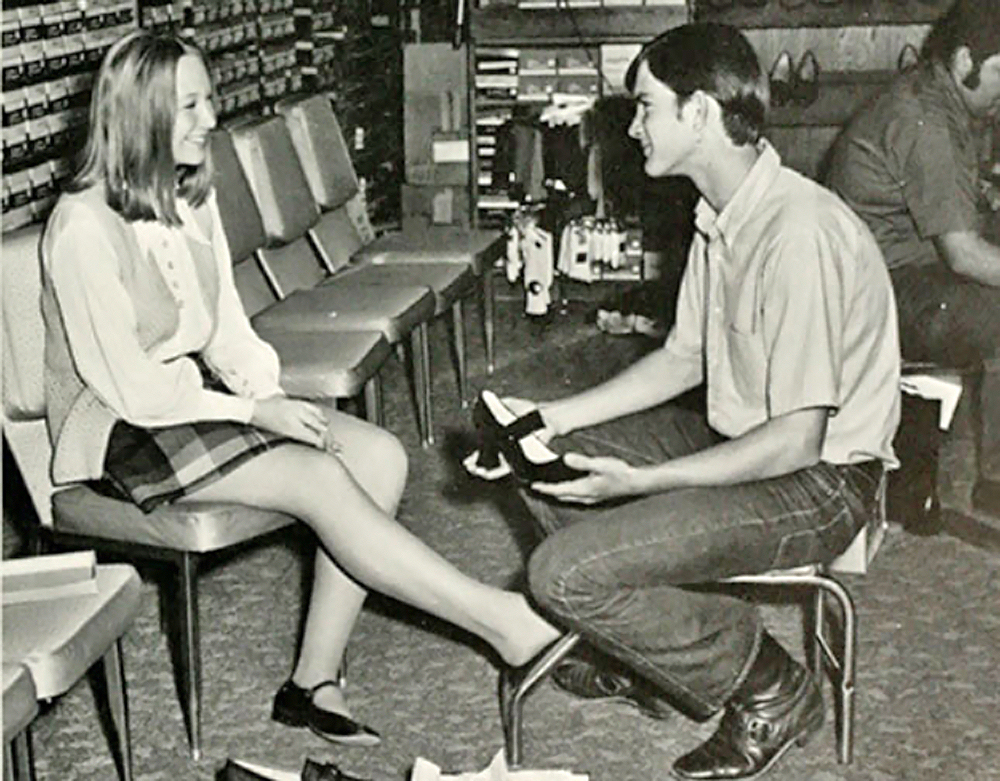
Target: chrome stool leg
pixel 514 686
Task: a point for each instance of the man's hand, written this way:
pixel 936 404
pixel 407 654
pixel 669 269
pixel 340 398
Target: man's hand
pixel 299 420
pixel 609 478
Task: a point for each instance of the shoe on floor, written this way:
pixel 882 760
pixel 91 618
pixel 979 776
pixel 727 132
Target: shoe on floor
pixel 592 681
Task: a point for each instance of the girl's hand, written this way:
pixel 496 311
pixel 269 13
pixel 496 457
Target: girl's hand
pixel 299 420
pixel 608 478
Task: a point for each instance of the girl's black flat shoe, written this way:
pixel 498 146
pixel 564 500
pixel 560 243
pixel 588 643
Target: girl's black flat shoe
pixel 529 458
pixel 294 707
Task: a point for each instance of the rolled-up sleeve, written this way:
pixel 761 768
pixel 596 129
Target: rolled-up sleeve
pixel 100 322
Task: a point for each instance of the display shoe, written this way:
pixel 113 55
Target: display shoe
pixel 779 705
pixel 805 82
pixel 529 458
pixel 908 57
pixel 780 78
pixel 591 680
pixel 294 707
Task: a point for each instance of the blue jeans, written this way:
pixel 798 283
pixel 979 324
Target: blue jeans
pixel 636 577
pixel 952 321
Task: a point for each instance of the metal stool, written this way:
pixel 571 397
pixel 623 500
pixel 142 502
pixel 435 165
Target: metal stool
pixel 855 559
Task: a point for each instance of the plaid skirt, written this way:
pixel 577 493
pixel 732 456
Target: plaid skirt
pixel 152 466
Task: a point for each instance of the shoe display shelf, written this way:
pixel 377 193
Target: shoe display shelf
pixel 50 53
pixel 748 14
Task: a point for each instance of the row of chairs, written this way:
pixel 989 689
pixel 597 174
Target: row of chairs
pixel 332 300
pixel 286 187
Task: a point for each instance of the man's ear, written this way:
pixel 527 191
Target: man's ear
pixel 697 108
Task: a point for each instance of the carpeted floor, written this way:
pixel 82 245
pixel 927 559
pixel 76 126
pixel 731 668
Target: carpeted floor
pixel 928 681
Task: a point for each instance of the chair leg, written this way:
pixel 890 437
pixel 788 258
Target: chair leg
pixel 512 695
pixel 114 678
pixel 190 653
pixel 374 413
pixel 819 629
pixel 458 345
pixel 488 309
pixel 18 764
pixel 845 669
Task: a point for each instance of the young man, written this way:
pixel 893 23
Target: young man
pixel 910 166
pixel 786 314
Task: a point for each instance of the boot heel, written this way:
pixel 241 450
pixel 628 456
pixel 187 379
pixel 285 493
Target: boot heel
pixel 489 453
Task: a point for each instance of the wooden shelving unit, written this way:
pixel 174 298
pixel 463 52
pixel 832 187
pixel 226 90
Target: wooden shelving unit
pixel 840 95
pixel 509 26
pixel 816 13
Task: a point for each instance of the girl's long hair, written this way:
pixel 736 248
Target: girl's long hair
pixel 129 147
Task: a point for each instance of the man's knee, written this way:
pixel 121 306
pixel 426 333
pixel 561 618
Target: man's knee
pixel 565 584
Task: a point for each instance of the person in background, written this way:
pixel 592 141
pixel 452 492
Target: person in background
pixel 786 315
pixel 911 164
pixel 159 392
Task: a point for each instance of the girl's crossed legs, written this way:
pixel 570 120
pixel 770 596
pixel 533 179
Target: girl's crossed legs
pixel 349 498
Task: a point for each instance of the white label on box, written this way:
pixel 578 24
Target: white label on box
pixel 451 151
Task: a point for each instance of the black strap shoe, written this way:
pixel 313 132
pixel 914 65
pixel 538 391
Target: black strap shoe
pixel 593 681
pixel 294 707
pixel 779 705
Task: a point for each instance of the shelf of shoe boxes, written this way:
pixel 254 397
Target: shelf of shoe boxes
pixel 531 53
pixel 50 53
pixel 857 46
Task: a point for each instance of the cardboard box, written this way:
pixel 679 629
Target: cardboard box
pixel 426 205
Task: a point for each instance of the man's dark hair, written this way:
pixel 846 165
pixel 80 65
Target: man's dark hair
pixel 971 23
pixel 715 59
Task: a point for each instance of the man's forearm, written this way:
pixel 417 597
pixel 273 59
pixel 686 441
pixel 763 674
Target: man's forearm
pixel 652 380
pixel 971 256
pixel 780 446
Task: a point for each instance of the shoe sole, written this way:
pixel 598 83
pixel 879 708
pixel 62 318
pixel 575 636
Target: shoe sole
pixel 287 719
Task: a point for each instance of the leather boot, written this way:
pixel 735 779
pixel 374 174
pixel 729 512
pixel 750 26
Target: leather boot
pixel 777 705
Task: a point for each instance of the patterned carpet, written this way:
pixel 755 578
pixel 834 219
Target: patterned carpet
pixel 928 686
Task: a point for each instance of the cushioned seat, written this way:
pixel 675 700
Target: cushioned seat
pixel 392 311
pixel 324 365
pixel 194 527
pixel 58 640
pixel 447 281
pixel 444 244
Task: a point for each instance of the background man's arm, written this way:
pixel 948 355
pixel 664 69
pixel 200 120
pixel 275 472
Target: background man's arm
pixel 971 256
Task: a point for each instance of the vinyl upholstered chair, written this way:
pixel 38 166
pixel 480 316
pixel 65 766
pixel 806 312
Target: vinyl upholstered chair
pixel 450 282
pixel 829 647
pixel 20 706
pixel 293 270
pixel 77 516
pixel 321 365
pixel 320 145
pixel 58 640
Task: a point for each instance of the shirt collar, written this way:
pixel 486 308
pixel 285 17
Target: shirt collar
pixel 754 186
